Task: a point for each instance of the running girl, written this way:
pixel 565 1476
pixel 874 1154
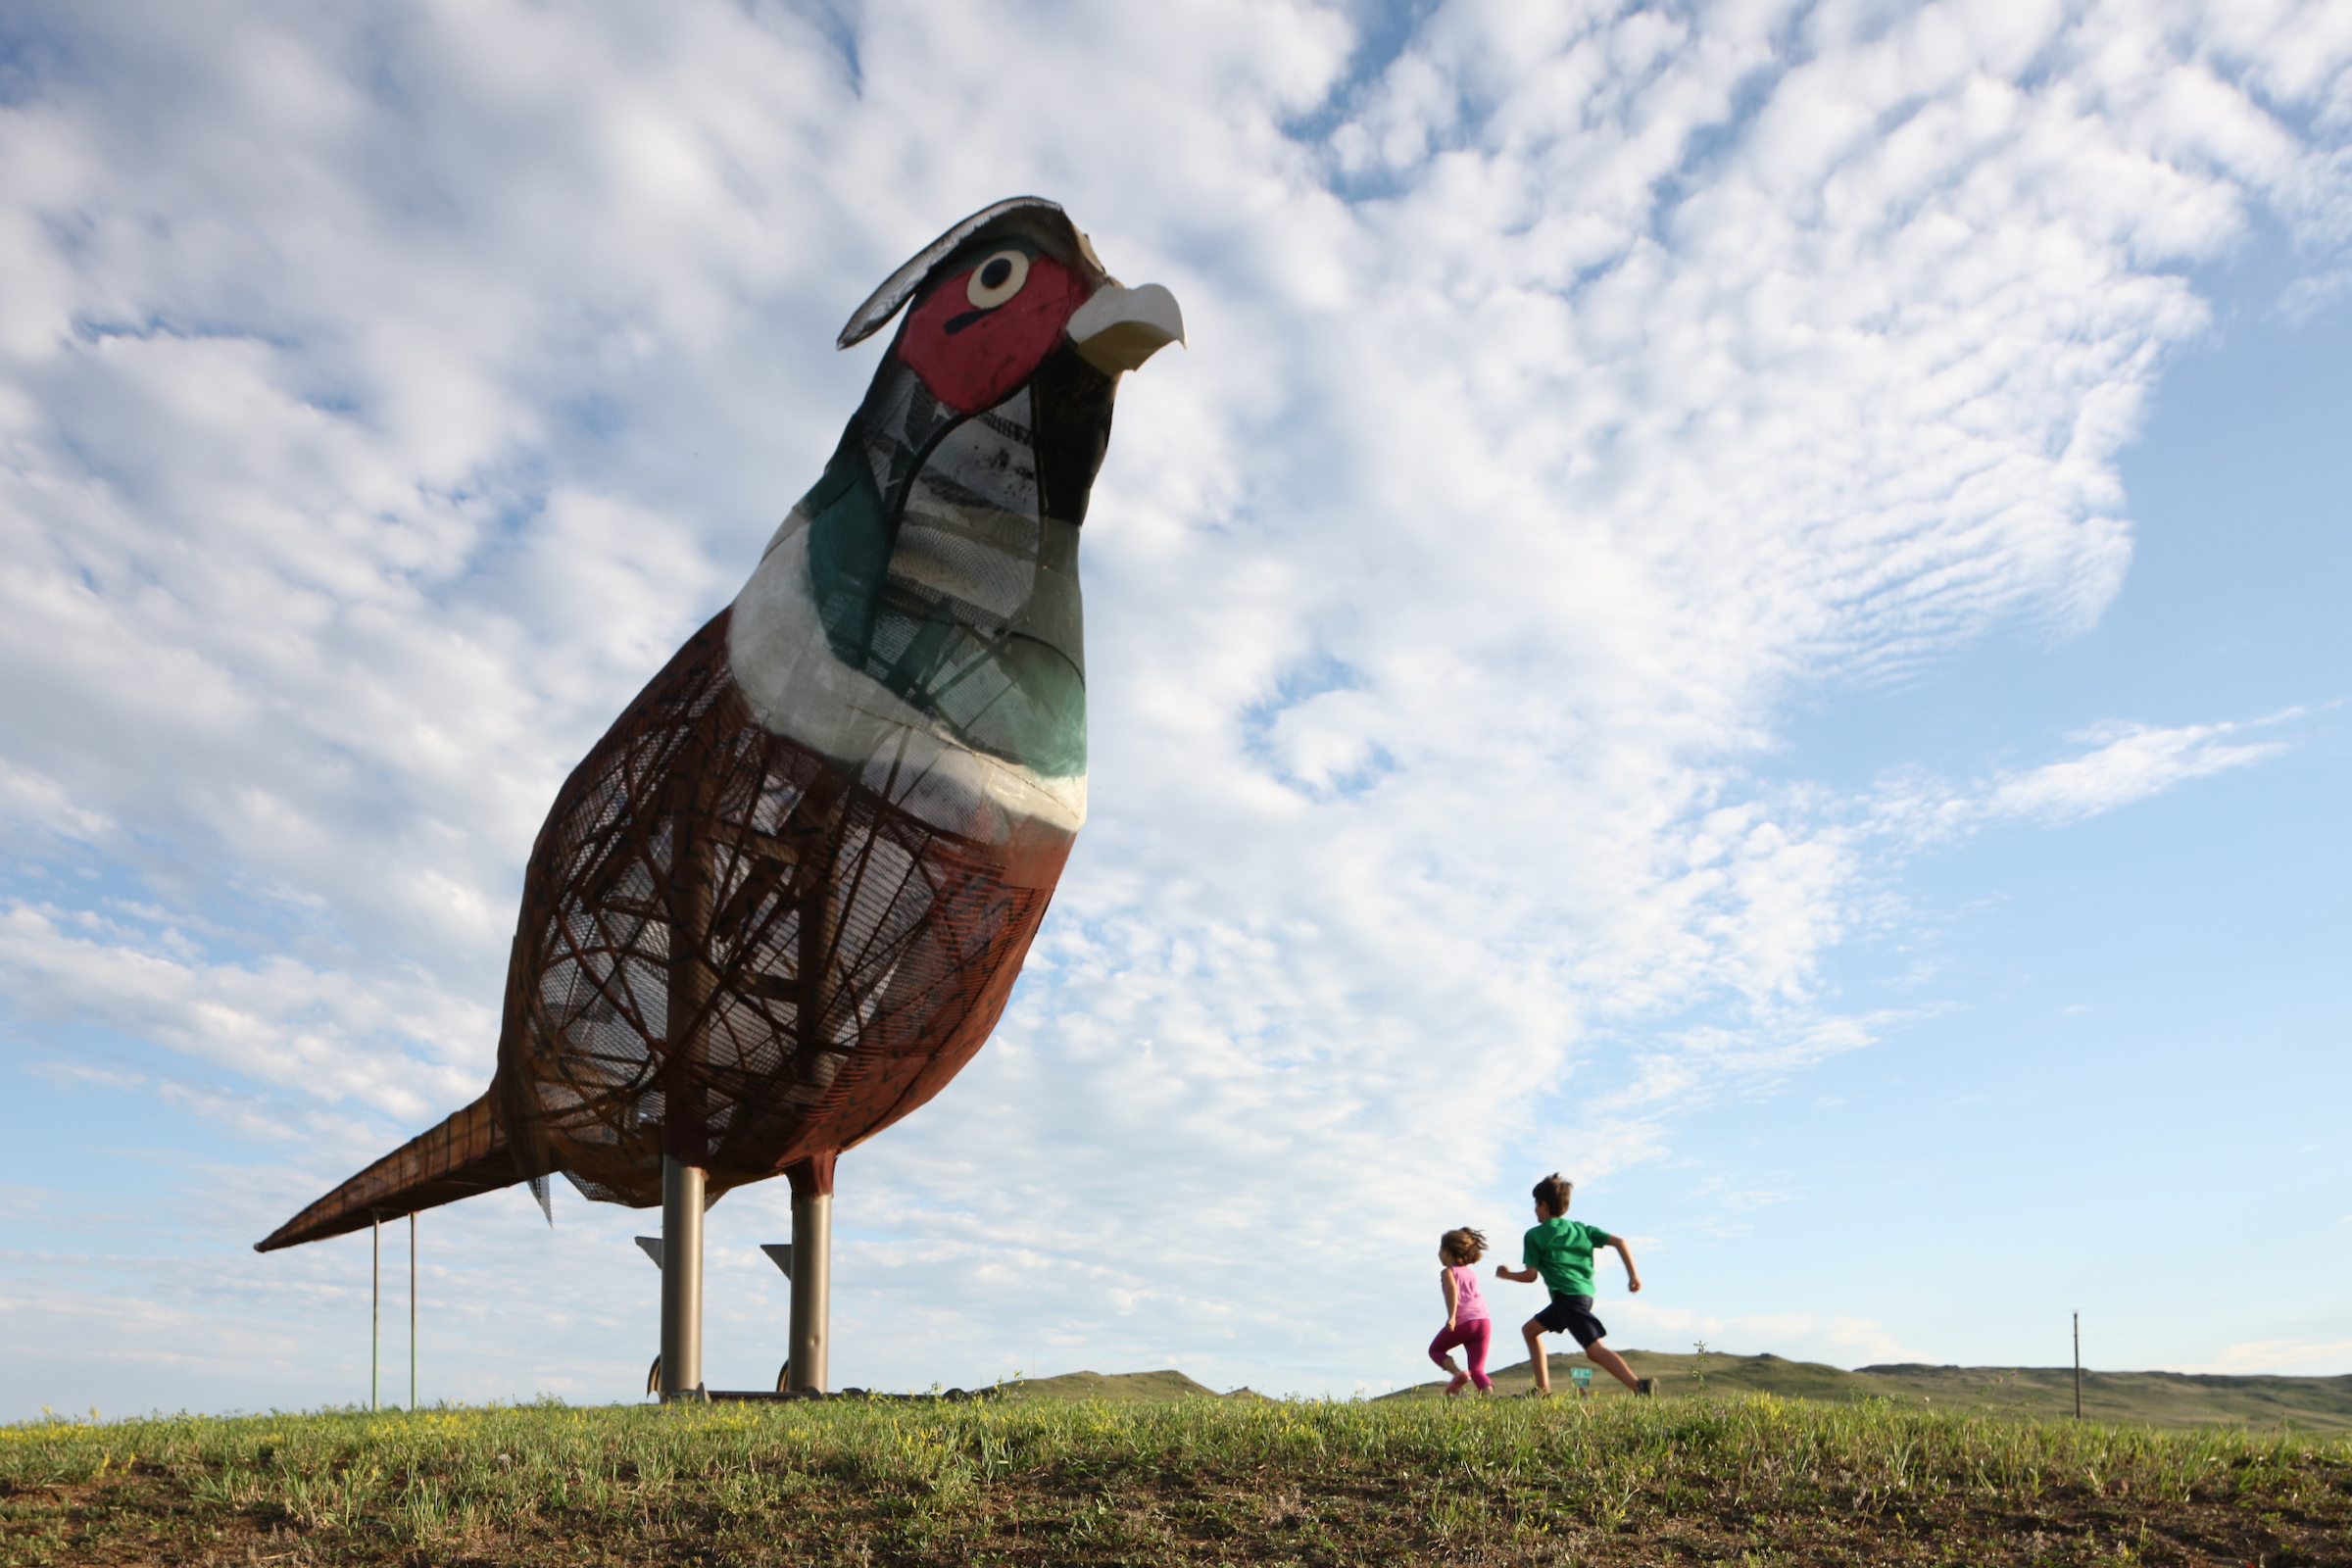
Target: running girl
pixel 1466 1324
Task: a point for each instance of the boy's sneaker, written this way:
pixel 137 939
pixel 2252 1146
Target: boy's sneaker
pixel 1646 1387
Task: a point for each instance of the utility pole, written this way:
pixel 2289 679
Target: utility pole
pixel 2077 1366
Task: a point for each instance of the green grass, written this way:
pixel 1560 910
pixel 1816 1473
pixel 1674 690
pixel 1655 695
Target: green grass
pixel 2155 1399
pixel 1201 1480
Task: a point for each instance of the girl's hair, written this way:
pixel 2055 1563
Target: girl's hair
pixel 1464 1245
pixel 1553 1193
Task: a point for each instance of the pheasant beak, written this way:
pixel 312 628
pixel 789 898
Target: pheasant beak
pixel 1120 328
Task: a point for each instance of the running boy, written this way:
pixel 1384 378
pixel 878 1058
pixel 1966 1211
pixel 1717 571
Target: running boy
pixel 1559 1252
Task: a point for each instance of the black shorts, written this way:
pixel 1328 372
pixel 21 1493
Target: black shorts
pixel 1572 1314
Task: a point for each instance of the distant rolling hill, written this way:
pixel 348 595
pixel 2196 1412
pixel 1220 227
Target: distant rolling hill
pixel 2150 1399
pixel 1120 1388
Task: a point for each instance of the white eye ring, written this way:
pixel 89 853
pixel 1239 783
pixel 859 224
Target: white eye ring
pixel 998 280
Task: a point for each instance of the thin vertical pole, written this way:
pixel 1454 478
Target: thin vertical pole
pixel 681 1277
pixel 375 1311
pixel 412 1310
pixel 2077 1366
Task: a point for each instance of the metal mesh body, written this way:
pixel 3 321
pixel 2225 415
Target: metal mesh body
pixel 733 951
pixel 786 897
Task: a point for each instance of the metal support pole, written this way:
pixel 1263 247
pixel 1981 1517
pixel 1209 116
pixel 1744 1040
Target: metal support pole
pixel 812 1272
pixel 685 1133
pixel 811 1280
pixel 412 1310
pixel 375 1311
pixel 681 1278
pixel 2077 1366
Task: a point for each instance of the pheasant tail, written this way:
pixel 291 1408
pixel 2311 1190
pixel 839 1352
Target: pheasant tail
pixel 465 1154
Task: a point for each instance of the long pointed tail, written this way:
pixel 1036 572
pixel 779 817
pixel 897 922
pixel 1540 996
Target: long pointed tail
pixel 465 1154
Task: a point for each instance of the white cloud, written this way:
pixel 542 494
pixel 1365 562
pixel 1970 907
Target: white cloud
pixel 1793 1336
pixel 2278 1358
pixel 383 393
pixel 2125 762
pixel 277 1022
pixel 2136 762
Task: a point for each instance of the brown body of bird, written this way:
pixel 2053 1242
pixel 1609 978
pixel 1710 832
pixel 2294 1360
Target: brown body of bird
pixel 785 899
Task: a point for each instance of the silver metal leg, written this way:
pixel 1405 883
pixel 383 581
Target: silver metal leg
pixel 681 1278
pixel 811 1285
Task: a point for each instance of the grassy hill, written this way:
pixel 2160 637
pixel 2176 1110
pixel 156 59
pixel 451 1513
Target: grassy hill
pixel 1190 1480
pixel 1117 1387
pixel 2152 1399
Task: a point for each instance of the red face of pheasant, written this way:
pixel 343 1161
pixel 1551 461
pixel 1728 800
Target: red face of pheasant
pixel 983 331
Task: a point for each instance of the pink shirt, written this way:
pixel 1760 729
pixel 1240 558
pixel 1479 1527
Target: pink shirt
pixel 1468 1305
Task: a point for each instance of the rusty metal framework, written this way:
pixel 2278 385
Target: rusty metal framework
pixel 735 954
pixel 733 950
pixel 786 897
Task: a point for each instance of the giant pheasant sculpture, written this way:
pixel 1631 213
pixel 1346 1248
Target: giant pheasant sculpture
pixel 785 898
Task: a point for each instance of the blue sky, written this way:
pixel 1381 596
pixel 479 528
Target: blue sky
pixel 1741 602
pixel 2125 1094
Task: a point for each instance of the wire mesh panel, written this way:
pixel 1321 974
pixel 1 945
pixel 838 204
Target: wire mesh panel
pixel 735 953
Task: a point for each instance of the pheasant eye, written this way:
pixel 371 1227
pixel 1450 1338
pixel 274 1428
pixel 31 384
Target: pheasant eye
pixel 998 280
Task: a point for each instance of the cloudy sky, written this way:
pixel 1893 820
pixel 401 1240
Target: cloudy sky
pixel 1739 599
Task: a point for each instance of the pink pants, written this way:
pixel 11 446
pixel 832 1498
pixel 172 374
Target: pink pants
pixel 1471 1334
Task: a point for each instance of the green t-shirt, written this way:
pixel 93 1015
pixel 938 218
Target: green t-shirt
pixel 1561 1250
